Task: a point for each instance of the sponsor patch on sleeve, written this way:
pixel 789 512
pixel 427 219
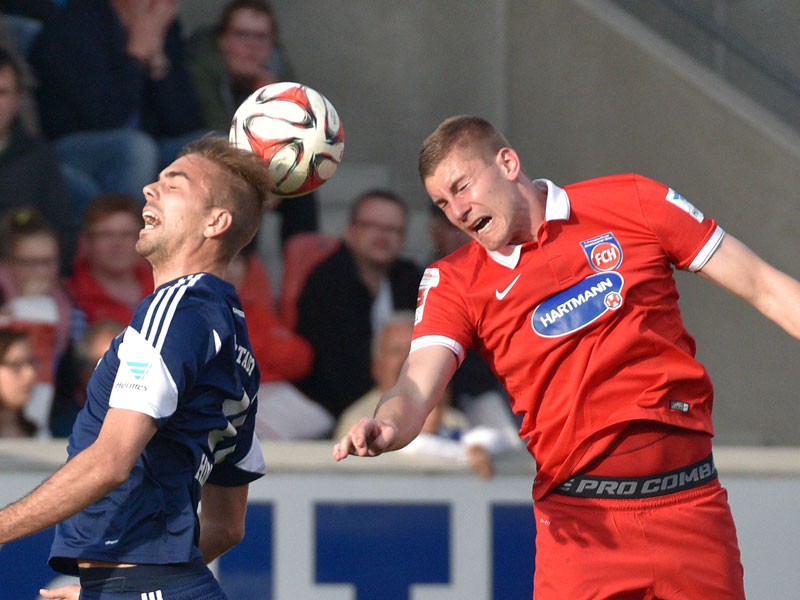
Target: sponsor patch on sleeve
pixel 430 279
pixel 675 198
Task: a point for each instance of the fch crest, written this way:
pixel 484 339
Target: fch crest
pixel 603 252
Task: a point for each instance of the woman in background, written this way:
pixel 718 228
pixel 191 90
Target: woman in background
pixel 17 377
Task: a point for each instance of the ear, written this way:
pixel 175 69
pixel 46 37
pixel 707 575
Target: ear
pixel 508 160
pixel 220 220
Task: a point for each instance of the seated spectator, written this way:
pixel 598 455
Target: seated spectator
pixel 29 169
pixel 34 299
pixel 109 277
pixel 229 61
pixel 348 296
pixel 74 371
pixel 282 356
pixel 16 36
pixel 445 432
pixel 235 57
pixel 17 377
pixel 120 107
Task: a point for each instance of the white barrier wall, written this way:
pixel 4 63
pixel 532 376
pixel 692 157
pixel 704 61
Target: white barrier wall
pixel 397 527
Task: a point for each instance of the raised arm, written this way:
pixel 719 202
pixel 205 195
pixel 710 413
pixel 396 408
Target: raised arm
pixel 403 409
pixel 85 479
pixel 739 270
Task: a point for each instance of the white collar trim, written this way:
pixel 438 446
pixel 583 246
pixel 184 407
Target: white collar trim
pixel 557 208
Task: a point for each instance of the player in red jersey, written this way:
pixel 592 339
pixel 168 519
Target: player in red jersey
pixel 568 293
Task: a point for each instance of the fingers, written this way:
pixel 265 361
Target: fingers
pixel 368 437
pixel 480 461
pixel 67 592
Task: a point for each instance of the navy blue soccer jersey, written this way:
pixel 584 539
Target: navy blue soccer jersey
pixel 185 360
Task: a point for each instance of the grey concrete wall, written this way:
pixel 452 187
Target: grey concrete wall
pixel 582 90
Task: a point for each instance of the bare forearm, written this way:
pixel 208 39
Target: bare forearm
pixel 78 484
pixel 406 415
pixel 781 302
pixel 739 270
pixel 215 541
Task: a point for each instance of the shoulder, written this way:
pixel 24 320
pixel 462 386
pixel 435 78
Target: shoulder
pixel 338 265
pixel 200 297
pixel 611 183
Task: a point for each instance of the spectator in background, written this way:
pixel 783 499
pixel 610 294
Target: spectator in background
pixel 17 377
pixel 229 61
pixel 282 355
pixel 74 371
pixel 446 432
pixel 120 106
pixel 109 277
pixel 235 57
pixel 16 36
pixel 34 300
pixel 350 294
pixel 29 169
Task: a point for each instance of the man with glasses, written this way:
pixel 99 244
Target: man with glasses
pixel 350 294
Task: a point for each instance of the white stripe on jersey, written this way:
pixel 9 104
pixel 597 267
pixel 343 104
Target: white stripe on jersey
pixel 171 310
pixel 166 301
pixel 150 309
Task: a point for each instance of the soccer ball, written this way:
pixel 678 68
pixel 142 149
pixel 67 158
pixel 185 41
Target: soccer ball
pixel 296 130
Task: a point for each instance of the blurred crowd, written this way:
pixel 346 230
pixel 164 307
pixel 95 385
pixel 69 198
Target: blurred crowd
pixel 96 97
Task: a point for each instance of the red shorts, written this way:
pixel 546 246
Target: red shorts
pixel 679 546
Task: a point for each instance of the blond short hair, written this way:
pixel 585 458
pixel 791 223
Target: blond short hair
pixel 474 136
pixel 241 186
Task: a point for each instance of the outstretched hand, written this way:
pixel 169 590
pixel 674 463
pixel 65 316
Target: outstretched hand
pixel 67 592
pixel 368 437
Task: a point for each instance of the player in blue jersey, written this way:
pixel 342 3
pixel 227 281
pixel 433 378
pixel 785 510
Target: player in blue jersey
pixel 171 406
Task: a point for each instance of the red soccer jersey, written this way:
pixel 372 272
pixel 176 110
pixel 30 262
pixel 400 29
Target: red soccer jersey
pixel 583 325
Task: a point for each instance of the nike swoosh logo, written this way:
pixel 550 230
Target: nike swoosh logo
pixel 500 295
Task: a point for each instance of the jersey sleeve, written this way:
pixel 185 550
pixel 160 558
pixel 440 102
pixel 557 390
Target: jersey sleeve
pixel 688 237
pixel 441 317
pixel 245 462
pixel 162 358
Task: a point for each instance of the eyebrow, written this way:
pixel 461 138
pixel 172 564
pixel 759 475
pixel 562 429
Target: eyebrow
pixel 173 174
pixel 453 187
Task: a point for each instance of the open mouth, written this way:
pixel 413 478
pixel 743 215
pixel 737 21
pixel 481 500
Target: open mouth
pixel 480 224
pixel 150 219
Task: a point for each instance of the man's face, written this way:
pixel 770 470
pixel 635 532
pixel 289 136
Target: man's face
pixel 246 43
pixel 111 243
pixel 176 209
pixel 377 233
pixel 479 198
pixel 9 98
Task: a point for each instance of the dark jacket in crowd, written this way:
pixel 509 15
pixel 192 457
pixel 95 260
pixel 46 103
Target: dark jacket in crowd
pixel 334 315
pixel 88 81
pixel 30 176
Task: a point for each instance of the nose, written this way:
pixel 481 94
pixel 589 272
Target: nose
pixel 459 208
pixel 148 191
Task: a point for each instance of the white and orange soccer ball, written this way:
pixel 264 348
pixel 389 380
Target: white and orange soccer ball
pixel 296 130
